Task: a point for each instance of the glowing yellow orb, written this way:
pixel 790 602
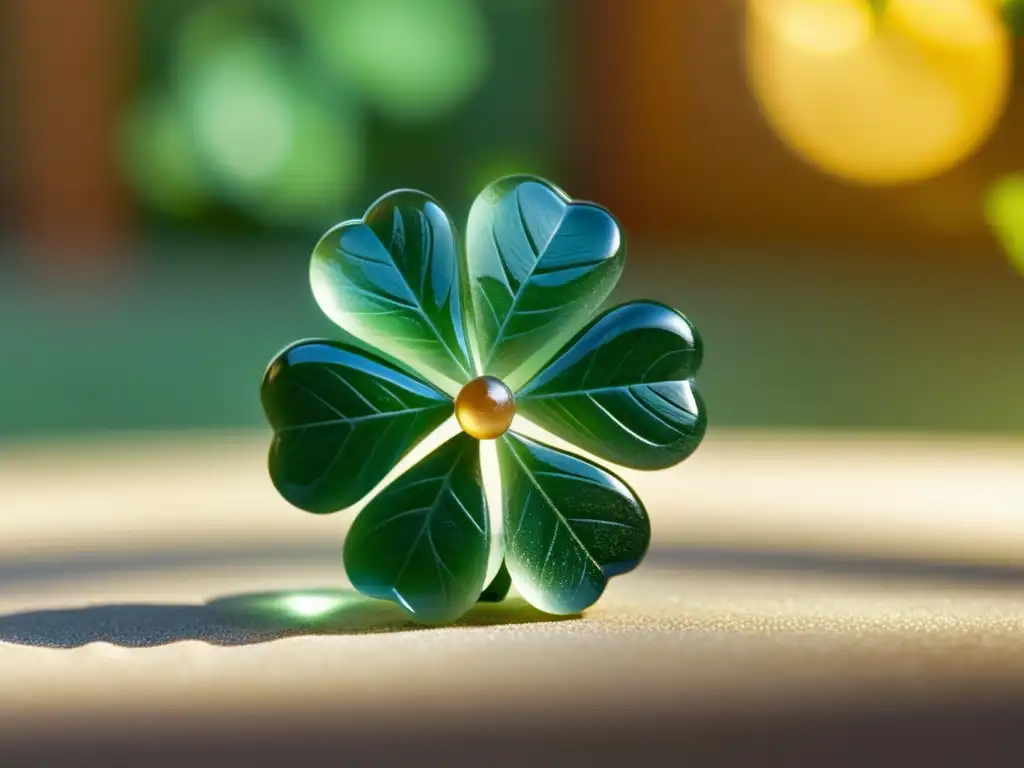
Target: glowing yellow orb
pixel 883 98
pixel 485 408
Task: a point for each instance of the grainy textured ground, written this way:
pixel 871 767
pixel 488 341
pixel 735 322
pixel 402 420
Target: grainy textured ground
pixel 802 616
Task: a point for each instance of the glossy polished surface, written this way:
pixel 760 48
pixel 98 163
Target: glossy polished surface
pixel 623 390
pixel 342 419
pixel 392 280
pixel 485 408
pixel 570 525
pixel 539 265
pixel 423 542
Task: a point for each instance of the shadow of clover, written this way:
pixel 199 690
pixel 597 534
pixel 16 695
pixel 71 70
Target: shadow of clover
pixel 241 619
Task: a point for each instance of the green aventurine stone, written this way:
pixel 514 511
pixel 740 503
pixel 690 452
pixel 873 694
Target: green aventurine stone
pixel 342 419
pixel 539 266
pixel 393 281
pixel 423 542
pixel 569 525
pixel 622 388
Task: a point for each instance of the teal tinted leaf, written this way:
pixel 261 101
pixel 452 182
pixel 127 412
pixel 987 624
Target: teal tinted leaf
pixel 539 266
pixel 342 419
pixel 423 542
pixel 621 389
pixel 498 589
pixel 393 280
pixel 569 525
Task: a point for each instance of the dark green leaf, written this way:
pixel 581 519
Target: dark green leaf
pixel 498 589
pixel 569 525
pixel 423 542
pixel 393 280
pixel 342 419
pixel 539 266
pixel 621 389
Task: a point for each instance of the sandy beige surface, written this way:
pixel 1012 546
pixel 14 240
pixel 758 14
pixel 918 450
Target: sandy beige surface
pixel 908 496
pixel 149 588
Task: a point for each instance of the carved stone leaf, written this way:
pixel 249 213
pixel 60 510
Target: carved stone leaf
pixel 623 389
pixel 423 542
pixel 342 419
pixel 539 266
pixel 393 280
pixel 570 525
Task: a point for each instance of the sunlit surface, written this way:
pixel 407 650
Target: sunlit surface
pixel 786 571
pixel 945 499
pixel 1004 207
pixel 310 606
pixel 284 610
pixel 883 98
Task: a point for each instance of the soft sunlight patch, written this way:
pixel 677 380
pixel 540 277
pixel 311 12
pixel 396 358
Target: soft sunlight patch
pixel 310 606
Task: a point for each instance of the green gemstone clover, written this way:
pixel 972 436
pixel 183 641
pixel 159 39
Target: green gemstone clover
pixel 487 333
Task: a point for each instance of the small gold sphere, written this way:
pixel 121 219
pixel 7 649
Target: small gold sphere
pixel 485 408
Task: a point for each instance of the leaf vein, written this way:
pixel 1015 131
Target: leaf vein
pixel 547 499
pixel 499 336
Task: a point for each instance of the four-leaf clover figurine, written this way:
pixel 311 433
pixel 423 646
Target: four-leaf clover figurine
pixel 491 331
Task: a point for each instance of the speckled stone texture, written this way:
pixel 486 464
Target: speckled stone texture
pixel 172 606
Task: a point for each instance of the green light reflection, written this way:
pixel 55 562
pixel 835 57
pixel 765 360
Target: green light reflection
pixel 345 611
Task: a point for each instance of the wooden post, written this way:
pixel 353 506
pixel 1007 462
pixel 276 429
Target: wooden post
pixel 72 63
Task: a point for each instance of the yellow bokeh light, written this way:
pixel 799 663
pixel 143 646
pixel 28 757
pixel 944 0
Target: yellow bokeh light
pixel 879 98
pixel 824 26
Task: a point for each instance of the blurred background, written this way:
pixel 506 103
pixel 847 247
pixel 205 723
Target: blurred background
pixel 826 187
pixel 832 190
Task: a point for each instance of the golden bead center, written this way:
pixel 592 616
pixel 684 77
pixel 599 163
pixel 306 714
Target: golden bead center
pixel 485 408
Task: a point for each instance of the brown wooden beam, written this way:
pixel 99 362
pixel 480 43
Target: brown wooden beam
pixel 72 65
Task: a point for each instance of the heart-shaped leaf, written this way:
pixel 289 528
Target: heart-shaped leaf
pixel 423 542
pixel 392 280
pixel 539 266
pixel 621 389
pixel 569 525
pixel 342 419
